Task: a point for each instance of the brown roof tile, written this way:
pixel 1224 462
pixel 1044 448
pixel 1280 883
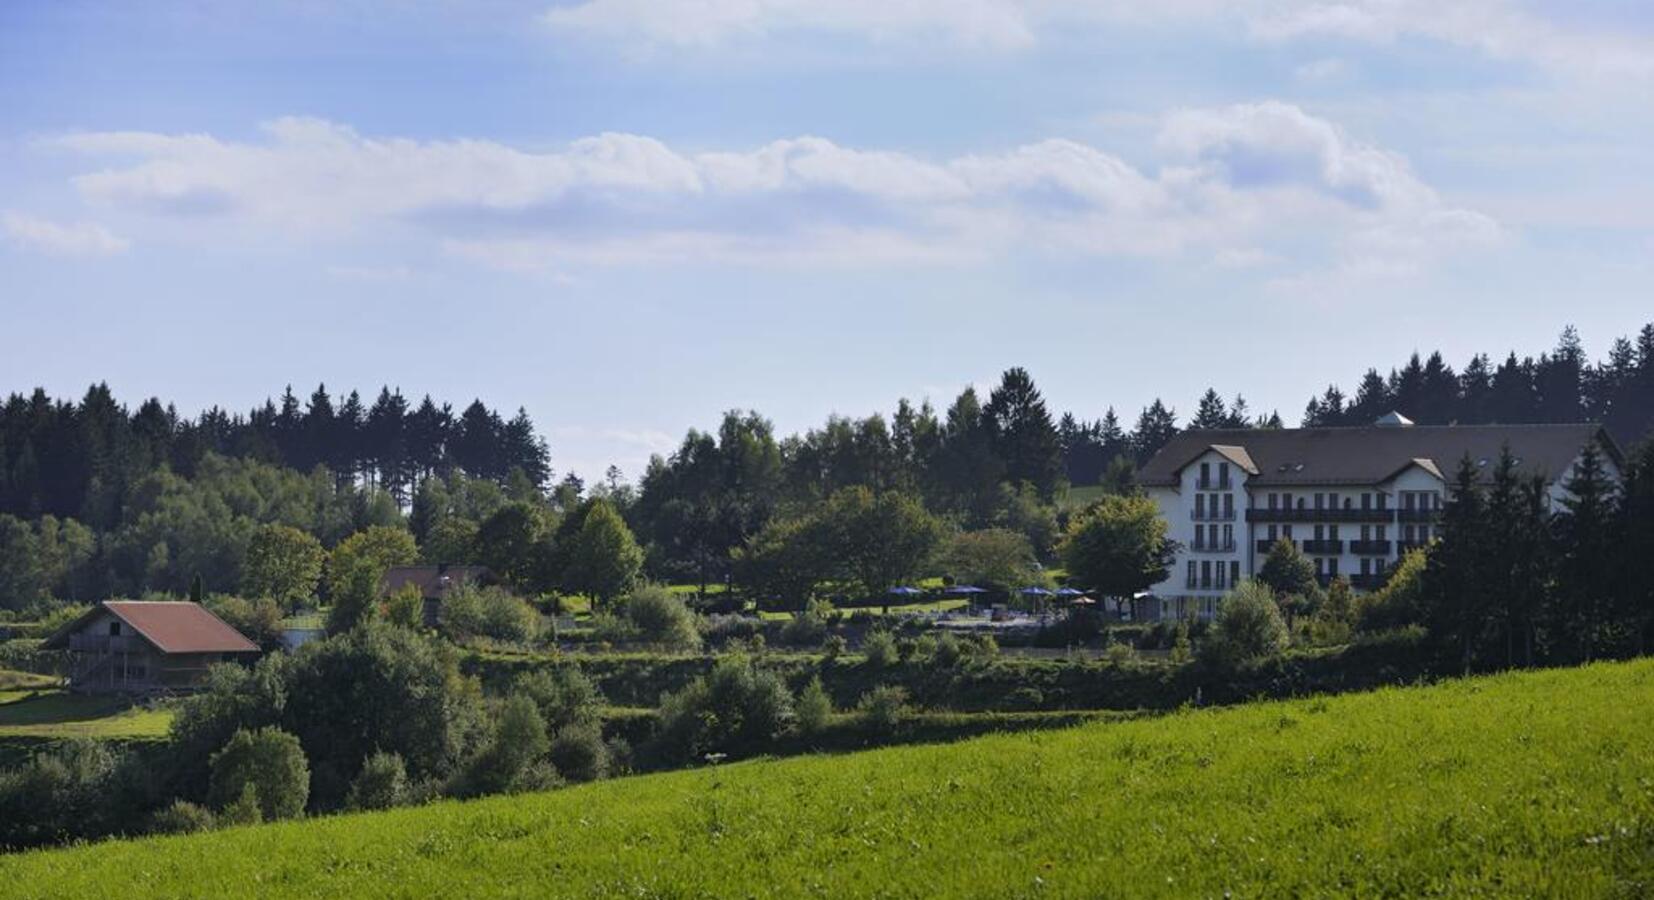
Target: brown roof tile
pixel 172 626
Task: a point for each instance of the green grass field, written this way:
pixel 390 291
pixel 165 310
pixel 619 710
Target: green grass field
pixel 54 713
pixel 1533 784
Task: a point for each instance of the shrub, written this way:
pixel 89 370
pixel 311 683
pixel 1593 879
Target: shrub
pixel 382 783
pixel 1119 654
pixel 490 612
pixel 182 817
pixel 814 708
pixel 947 651
pixel 834 646
pixel 579 753
pixel 507 762
pixel 565 695
pixel 244 809
pixel 259 620
pixel 879 650
pixel 735 708
pixel 1182 650
pixel 1248 626
pixel 883 709
pixel 662 619
pixel 809 626
pixel 268 762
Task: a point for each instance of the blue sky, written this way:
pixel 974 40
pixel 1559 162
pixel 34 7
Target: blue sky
pixel 630 215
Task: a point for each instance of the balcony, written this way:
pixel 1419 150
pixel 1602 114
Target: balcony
pixel 1324 548
pixel 1405 546
pixel 1210 547
pixel 1259 514
pixel 1212 515
pixel 1370 582
pixel 1264 545
pixel 1370 548
pixel 1366 515
pixel 1419 515
pixel 1213 484
pixel 1325 579
pixel 1196 584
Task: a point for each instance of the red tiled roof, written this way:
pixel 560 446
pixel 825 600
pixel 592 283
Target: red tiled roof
pixel 434 582
pixel 172 626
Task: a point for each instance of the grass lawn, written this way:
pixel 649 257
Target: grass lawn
pixel 57 713
pixel 1531 784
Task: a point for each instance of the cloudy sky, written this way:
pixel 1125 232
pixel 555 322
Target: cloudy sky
pixel 630 215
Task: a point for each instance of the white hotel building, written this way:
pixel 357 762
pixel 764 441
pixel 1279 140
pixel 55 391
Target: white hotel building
pixel 1354 499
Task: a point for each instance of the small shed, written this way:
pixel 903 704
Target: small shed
pixel 145 646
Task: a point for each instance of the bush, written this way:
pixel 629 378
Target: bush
pixel 834 646
pixel 879 650
pixel 1119 654
pixel 565 695
pixel 579 753
pixel 182 817
pixel 244 810
pixel 883 709
pixel 1248 626
pixel 490 612
pixel 814 707
pixel 947 651
pixel 259 620
pixel 662 619
pixel 736 708
pixel 508 762
pixel 809 626
pixel 382 783
pixel 270 764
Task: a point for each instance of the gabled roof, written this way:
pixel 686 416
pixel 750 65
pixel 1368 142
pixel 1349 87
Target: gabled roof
pixel 434 582
pixel 1236 455
pixel 1373 454
pixel 170 626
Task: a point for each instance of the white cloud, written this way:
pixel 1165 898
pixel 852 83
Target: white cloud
pixel 1500 29
pixel 58 239
pixel 1266 176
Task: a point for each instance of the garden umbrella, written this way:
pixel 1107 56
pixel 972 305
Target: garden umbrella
pixel 902 591
pixel 1034 592
pixel 1070 592
pixel 964 589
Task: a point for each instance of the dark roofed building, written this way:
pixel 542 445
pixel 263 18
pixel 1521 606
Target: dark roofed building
pixel 434 583
pixel 1354 499
pixel 142 646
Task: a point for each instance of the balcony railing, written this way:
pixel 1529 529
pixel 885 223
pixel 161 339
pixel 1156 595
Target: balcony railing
pixel 1419 515
pixel 1263 514
pixel 1212 547
pixel 1213 484
pixel 1324 547
pixel 1370 582
pixel 1405 546
pixel 1370 548
pixel 1264 545
pixel 1325 578
pixel 1212 515
pixel 1199 584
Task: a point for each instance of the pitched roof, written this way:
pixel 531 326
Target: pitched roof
pixel 171 626
pixel 433 581
pixel 1372 454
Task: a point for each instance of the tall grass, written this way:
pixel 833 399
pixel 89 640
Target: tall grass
pixel 1532 784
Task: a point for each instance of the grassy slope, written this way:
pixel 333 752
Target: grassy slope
pixel 58 714
pixel 1538 783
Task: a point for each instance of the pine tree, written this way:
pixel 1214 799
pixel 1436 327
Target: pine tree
pixel 1022 434
pixel 1155 426
pixel 1455 587
pixel 1585 542
pixel 1211 414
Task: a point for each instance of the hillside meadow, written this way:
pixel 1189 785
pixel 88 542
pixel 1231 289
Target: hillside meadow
pixel 1530 784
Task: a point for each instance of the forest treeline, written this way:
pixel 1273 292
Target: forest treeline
pixel 98 500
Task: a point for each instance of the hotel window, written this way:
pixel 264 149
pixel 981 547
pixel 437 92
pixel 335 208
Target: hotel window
pixel 1191 573
pixel 1286 532
pixel 1234 571
pixel 1332 501
pixel 1228 505
pixel 1272 535
pixel 1366 532
pixel 1320 501
pixel 1273 500
pixel 1205 473
pixel 1206 573
pixel 1383 501
pixel 1407 533
pixel 1320 532
pixel 1366 501
pixel 1366 566
pixel 1424 534
pixel 1378 532
pixel 1200 506
pixel 1408 498
pixel 1320 566
pixel 1332 567
pixel 1228 535
pixel 1332 532
pixel 1218 583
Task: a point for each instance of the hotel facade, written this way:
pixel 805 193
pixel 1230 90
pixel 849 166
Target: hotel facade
pixel 1354 499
